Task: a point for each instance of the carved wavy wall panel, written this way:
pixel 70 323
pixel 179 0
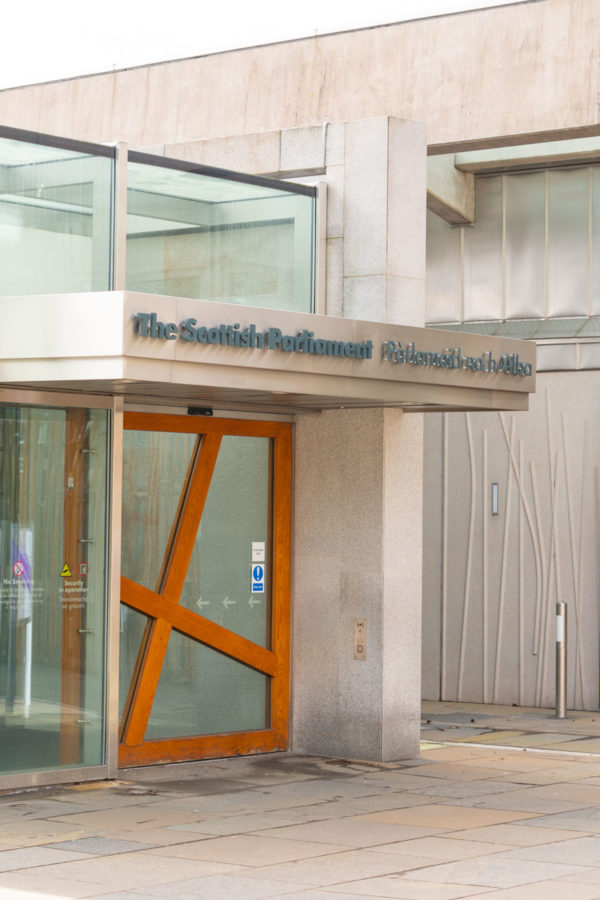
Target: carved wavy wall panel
pixel 501 575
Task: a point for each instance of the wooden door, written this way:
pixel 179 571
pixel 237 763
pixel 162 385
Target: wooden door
pixel 207 641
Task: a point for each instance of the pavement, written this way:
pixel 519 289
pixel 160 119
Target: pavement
pixel 460 821
pixel 510 726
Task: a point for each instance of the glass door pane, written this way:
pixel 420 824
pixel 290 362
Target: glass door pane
pixel 204 692
pixel 235 524
pixel 53 488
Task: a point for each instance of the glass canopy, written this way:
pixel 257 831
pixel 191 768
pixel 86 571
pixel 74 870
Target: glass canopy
pixel 190 231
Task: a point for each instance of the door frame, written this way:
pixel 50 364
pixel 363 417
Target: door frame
pixel 274 662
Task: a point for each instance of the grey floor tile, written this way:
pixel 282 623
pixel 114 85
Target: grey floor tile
pixel 133 894
pixel 29 857
pixel 351 831
pixel 249 850
pixel 494 871
pixel 578 851
pixel 399 888
pixel 546 890
pixel 471 789
pixel 341 867
pixel 587 819
pixel 321 895
pixel 520 802
pixel 223 887
pixel 100 846
pixel 27 886
pixel 132 871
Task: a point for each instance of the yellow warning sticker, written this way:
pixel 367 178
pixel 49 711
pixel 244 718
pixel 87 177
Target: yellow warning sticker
pixel 66 572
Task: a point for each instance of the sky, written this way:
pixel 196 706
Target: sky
pixel 44 40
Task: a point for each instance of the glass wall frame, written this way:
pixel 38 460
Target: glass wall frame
pixel 77 216
pixel 56 214
pixel 107 692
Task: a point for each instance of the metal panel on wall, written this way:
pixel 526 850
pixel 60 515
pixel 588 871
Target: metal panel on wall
pixel 525 229
pixel 504 573
pixel 483 255
pixel 443 271
pixel 595 243
pixel 568 248
pixel 533 251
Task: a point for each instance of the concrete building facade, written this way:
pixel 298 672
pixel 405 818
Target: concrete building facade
pixel 456 162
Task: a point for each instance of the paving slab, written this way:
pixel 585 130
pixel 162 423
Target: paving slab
pixel 448 818
pixel 523 801
pixel 30 886
pixel 470 789
pixel 463 821
pixel 545 890
pixel 525 835
pixel 29 857
pixel 339 868
pixel 396 886
pixel 355 831
pixel 587 819
pixel 584 851
pixel 443 848
pixel 131 870
pixel 100 846
pixel 495 871
pixel 250 850
pixel 577 745
pixel 221 887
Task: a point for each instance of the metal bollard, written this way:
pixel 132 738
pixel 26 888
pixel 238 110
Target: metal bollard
pixel 561 660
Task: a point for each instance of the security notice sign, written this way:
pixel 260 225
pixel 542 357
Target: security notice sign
pixel 257 578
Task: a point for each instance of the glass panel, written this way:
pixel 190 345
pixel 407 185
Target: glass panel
pixel 155 467
pixel 52 587
pixel 133 625
pixel 568 230
pixel 192 235
pixel 236 517
pixel 525 245
pixel 55 219
pixel 483 254
pixel 203 692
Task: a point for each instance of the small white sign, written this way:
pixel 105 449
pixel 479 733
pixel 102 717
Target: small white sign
pixel 257 578
pixel 258 551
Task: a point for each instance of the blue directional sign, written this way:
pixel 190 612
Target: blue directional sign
pixel 257 579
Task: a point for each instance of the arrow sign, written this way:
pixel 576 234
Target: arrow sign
pixel 254 601
pixel 200 602
pixel 227 602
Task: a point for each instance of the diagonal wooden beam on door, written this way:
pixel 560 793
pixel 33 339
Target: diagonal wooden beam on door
pixel 153 655
pixel 197 627
pixel 150 665
pixel 189 522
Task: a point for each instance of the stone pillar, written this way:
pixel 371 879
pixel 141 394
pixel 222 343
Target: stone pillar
pixel 385 185
pixel 358 526
pixel 358 476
